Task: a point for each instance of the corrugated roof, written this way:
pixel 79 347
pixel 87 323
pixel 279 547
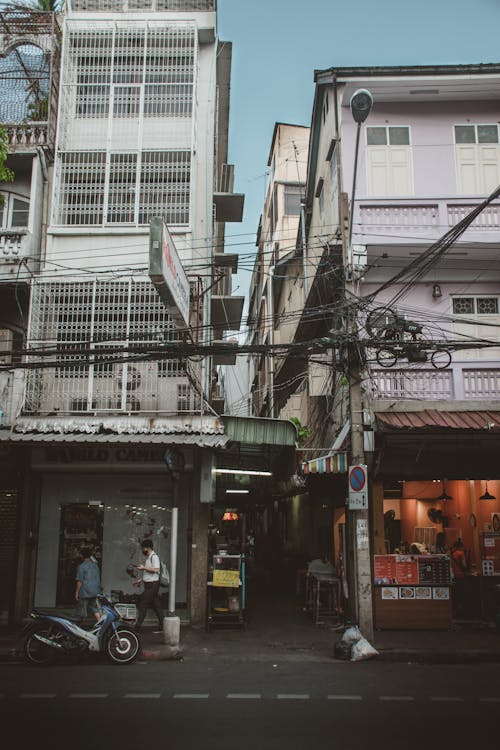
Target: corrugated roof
pixel 120 425
pixel 54 438
pixel 432 419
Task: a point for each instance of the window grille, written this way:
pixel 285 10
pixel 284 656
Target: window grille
pixel 121 192
pixel 83 322
pixel 80 198
pixel 113 6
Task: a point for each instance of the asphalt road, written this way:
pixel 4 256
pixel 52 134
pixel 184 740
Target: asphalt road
pixel 240 705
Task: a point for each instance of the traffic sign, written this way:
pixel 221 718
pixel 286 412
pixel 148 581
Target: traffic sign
pixel 358 487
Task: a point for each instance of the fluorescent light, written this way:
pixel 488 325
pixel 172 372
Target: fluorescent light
pixel 237 492
pixel 246 472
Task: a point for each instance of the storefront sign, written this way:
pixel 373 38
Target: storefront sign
pixel 226 578
pixel 95 454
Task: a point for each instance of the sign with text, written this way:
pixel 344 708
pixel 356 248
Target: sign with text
pixel 167 273
pixel 358 487
pixel 226 578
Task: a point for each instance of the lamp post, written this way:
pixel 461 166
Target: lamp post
pixel 360 579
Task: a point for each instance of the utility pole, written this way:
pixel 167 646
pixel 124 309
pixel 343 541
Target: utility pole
pixel 360 578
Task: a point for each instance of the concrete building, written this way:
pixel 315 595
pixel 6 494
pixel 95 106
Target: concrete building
pixel 425 305
pixel 97 404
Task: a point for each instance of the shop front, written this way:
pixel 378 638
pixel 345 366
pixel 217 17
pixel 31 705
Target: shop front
pixel 435 497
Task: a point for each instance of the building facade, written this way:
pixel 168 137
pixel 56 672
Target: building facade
pixel 410 277
pixel 141 92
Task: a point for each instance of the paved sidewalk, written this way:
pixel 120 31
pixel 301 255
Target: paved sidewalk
pixel 303 641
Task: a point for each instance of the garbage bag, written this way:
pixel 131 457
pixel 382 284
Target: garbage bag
pixel 342 650
pixel 351 635
pixel 362 650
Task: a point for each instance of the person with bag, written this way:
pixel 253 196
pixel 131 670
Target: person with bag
pixel 88 586
pixel 151 580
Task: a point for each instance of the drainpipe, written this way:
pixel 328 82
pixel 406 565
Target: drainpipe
pixel 304 249
pixel 270 304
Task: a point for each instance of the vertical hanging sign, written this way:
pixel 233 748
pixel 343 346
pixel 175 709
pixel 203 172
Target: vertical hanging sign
pixel 358 487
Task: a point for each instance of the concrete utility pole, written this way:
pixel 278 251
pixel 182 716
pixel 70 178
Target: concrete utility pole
pixel 360 579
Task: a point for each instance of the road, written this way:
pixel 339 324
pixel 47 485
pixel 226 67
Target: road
pixel 249 705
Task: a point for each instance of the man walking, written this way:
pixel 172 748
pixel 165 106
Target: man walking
pixel 151 581
pixel 88 585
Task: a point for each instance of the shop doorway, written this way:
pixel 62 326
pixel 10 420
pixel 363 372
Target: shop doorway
pixel 81 527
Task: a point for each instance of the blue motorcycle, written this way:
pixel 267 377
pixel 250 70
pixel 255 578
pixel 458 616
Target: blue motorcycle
pixel 46 636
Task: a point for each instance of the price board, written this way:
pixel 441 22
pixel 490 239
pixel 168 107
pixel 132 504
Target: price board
pixel 226 578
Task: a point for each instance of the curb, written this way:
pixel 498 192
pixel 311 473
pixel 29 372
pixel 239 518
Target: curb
pixel 469 656
pixel 164 653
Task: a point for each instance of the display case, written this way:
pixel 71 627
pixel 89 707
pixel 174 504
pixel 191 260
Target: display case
pixel 226 591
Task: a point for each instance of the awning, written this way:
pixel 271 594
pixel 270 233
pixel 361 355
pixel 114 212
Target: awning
pixel 432 419
pixel 333 463
pixel 55 438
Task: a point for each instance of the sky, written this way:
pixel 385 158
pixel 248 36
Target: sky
pixel 278 44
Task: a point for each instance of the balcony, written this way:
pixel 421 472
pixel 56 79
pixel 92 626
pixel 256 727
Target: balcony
pixel 460 383
pixel 26 136
pixel 393 221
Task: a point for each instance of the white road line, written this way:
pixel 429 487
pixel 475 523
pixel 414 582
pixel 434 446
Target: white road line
pixel 37 695
pixel 244 696
pixel 142 695
pixel 447 699
pixel 490 700
pixel 293 696
pixel 190 696
pixel 396 698
pixel 88 695
pixel 344 698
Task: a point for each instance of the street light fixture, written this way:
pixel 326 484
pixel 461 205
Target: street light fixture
pixel 361 105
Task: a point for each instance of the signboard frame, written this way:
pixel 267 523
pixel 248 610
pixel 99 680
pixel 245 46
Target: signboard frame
pixel 358 487
pixel 167 273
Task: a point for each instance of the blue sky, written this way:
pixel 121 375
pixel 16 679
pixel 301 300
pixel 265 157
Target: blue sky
pixel 277 45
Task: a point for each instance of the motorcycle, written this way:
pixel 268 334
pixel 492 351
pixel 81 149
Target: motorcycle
pixel 46 636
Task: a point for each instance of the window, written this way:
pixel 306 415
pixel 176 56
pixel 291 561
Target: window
pixel 140 186
pixel 477 150
pixel 14 212
pixel 293 197
pixel 389 161
pixel 477 318
pixel 124 62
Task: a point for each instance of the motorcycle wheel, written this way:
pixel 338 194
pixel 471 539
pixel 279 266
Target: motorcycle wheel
pixel 36 652
pixel 123 647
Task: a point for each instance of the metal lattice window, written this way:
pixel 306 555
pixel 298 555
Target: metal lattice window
pixel 475 305
pixel 140 186
pixel 118 64
pixel 80 198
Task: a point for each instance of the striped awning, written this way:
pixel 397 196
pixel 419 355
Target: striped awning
pixel 333 463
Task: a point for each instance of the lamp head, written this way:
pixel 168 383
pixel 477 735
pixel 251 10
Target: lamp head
pixel 361 104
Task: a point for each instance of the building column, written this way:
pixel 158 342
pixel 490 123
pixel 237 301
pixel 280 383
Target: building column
pixel 377 498
pixel 198 541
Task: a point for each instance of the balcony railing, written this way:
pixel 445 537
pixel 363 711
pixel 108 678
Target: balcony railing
pixel 26 134
pixel 432 385
pixel 117 6
pixel 13 243
pixel 424 219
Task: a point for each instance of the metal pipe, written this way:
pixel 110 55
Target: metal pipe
pixel 173 555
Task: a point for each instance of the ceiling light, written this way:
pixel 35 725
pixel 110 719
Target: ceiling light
pixel 424 91
pixel 245 472
pixel 237 492
pixel 487 495
pixel 443 496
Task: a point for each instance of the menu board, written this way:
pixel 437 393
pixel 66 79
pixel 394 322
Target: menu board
pixel 402 570
pixel 434 570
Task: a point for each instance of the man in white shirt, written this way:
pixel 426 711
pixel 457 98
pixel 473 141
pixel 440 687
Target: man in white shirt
pixel 151 580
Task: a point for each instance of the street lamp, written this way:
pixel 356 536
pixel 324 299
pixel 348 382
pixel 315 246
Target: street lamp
pixel 361 104
pixel 360 596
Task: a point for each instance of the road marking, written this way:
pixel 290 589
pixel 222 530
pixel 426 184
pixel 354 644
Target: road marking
pixel 88 695
pixel 293 696
pixel 142 695
pixel 344 698
pixel 490 700
pixel 37 695
pixel 244 696
pixel 190 696
pixel 447 699
pixel 396 698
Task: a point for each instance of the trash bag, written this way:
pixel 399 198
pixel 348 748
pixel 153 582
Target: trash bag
pixel 362 650
pixel 342 650
pixel 351 635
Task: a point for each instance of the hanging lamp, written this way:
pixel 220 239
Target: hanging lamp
pixel 487 495
pixel 444 497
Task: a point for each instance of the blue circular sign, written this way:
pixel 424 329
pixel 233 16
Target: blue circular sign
pixel 357 479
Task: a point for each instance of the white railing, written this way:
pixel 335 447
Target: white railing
pixel 117 6
pixel 481 384
pixel 489 218
pixel 11 243
pixel 395 216
pixel 415 383
pixel 31 134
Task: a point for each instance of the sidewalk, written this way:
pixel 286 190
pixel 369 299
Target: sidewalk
pixel 306 642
